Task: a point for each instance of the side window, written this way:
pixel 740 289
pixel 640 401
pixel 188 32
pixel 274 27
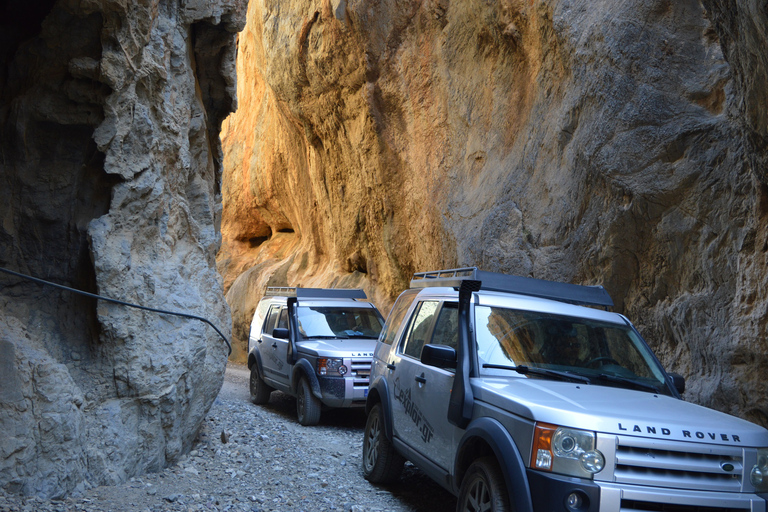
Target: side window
pixel 258 319
pixel 447 326
pixel 282 321
pixel 269 325
pixel 420 328
pixel 396 316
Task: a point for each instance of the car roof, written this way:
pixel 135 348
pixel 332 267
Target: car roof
pixel 321 302
pixel 538 304
pixel 524 302
pixel 471 278
pixel 339 303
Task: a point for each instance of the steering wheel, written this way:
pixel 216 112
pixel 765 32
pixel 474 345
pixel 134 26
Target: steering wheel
pixel 602 360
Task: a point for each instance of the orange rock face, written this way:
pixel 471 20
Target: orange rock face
pixel 590 143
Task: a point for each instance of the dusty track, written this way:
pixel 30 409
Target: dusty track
pixel 268 463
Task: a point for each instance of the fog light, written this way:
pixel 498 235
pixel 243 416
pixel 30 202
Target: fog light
pixel 577 501
pixel 574 501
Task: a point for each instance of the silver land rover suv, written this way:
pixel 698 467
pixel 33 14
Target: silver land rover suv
pixel 529 395
pixel 315 344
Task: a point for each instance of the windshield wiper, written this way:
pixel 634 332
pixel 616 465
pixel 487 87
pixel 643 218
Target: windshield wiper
pixel 630 382
pixel 542 372
pixel 325 337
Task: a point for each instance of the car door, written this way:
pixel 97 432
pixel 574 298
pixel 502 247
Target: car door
pixel 421 392
pixel 274 350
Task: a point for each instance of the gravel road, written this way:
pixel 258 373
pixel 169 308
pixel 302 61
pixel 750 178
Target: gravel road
pixel 268 463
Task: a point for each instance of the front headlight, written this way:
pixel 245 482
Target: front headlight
pixel 567 451
pixel 759 474
pixel 331 366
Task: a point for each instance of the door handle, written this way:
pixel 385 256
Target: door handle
pixel 274 344
pixel 421 379
pixel 390 366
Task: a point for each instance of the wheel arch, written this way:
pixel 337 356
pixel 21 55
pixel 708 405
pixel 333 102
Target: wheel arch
pixel 486 436
pixel 378 392
pixel 303 368
pixel 254 357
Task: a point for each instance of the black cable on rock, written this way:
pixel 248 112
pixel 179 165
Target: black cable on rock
pixel 122 303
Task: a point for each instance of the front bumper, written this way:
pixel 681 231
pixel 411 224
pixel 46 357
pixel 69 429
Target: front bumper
pixel 549 492
pixel 638 498
pixel 342 392
pixel 350 390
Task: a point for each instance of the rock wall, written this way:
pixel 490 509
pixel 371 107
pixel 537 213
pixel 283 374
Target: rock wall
pixel 591 142
pixel 110 177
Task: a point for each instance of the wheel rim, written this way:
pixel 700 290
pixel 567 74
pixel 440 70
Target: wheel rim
pixel 254 382
pixel 372 443
pixel 479 496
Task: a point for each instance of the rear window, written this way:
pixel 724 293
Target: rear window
pixel 396 316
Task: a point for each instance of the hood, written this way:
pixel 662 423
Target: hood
pixel 617 411
pixel 339 347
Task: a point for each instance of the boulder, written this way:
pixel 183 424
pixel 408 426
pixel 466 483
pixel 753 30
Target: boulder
pixel 110 182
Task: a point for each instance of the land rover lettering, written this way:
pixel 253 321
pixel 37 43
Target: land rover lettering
pixel 648 429
pixel 711 435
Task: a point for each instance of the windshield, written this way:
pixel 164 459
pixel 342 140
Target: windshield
pixel 606 353
pixel 338 322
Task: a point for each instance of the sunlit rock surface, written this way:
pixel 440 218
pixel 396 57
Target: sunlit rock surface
pixel 614 143
pixel 110 176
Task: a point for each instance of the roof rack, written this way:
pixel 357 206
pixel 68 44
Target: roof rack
pixel 315 293
pixel 282 291
pixel 494 281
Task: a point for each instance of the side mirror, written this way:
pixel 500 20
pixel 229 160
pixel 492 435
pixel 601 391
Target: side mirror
pixel 678 381
pixel 280 333
pixel 441 356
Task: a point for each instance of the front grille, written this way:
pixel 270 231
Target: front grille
pixel 700 467
pixel 646 506
pixel 361 371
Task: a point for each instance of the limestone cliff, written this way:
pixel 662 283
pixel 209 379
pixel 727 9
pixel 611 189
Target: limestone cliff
pixel 110 176
pixel 591 142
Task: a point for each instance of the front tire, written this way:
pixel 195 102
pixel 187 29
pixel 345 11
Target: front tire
pixel 307 405
pixel 260 391
pixel 381 463
pixel 483 488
